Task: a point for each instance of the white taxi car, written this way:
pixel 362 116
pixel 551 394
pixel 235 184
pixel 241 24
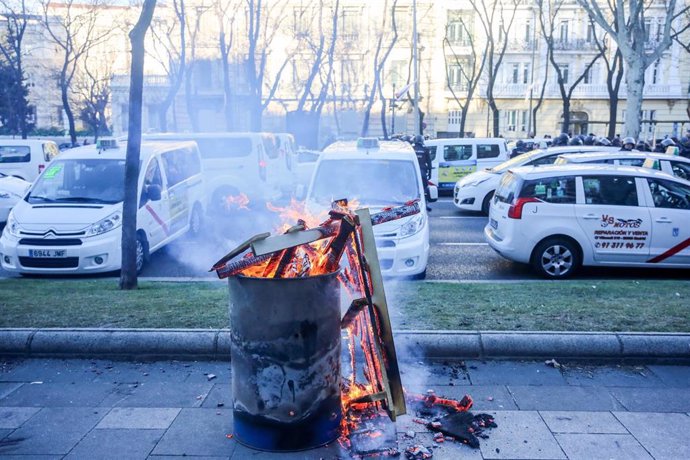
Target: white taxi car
pixel 675 165
pixel 474 191
pixel 12 189
pixel 558 218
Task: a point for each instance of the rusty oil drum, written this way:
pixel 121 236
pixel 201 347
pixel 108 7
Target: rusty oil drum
pixel 285 353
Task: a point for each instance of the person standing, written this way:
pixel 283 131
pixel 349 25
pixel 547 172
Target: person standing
pixel 424 159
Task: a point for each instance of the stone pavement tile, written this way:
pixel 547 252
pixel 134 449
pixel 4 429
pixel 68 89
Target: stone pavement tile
pixel 443 450
pixel 333 450
pixel 674 376
pixel 430 373
pixel 219 394
pixel 609 446
pixel 58 395
pixel 520 435
pixel 14 417
pixel 32 457
pixel 8 387
pixel 199 371
pixel 199 432
pixel 653 399
pixel 485 397
pixel 143 418
pixel 611 376
pixel 177 457
pixel 53 431
pixel 663 435
pixel 513 373
pixel 583 422
pixel 4 432
pixel 116 445
pixel 155 371
pixel 564 398
pixel 50 371
pixel 159 394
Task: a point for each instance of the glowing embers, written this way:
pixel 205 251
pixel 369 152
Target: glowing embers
pixel 236 202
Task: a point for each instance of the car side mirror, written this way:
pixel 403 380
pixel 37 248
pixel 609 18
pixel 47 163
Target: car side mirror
pixel 433 193
pixel 154 192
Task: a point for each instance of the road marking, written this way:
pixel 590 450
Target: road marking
pixel 462 217
pixel 463 244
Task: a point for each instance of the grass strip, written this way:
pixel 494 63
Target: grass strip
pixel 580 305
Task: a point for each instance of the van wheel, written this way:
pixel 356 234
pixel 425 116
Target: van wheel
pixel 486 204
pixel 556 258
pixel 196 222
pixel 142 252
pixel 419 276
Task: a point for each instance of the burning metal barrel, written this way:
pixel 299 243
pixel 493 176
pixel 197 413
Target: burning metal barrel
pixel 285 354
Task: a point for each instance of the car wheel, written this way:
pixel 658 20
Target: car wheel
pixel 419 276
pixel 142 252
pixel 196 222
pixel 486 204
pixel 556 258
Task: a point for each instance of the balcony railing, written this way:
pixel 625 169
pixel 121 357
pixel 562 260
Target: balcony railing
pixel 577 44
pixel 522 45
pixel 149 81
pixel 583 91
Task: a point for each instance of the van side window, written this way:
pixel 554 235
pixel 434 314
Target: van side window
pixel 180 165
pixel 50 151
pixel 610 190
pixel 152 177
pixel 270 147
pixel 234 147
pixel 432 152
pixel 457 152
pixel 631 161
pixel 15 154
pixel 487 151
pixel 547 160
pixel 668 194
pixel 557 190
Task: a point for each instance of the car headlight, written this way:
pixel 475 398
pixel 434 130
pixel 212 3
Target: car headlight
pixel 413 226
pixel 12 226
pixel 105 225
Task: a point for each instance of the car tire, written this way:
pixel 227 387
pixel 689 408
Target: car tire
pixel 196 222
pixel 486 204
pixel 556 258
pixel 419 276
pixel 142 252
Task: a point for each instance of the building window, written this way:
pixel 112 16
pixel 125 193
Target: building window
pixel 589 76
pixel 515 74
pixel 590 33
pixel 454 117
pixel 398 73
pixel 563 32
pixel 511 117
pixel 525 73
pixel 655 72
pixel 528 31
pixel 647 29
pixel 565 72
pixel 456 77
pixel 523 120
pixel 350 24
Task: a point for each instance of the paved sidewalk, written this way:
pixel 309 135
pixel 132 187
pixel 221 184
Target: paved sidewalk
pixel 96 409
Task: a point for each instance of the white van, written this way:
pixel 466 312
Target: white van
pixel 71 219
pixel 385 174
pixel 256 164
pixel 452 159
pixel 26 158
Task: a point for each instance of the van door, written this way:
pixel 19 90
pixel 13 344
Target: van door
pixel 457 161
pixel 670 212
pixel 617 226
pixel 176 174
pixel 154 216
pixel 489 155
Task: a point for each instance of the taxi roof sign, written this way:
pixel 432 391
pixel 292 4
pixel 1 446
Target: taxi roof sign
pixel 672 150
pixel 368 143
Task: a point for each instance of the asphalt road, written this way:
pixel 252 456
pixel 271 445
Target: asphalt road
pixel 458 251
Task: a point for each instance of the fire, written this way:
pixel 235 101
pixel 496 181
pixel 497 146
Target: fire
pixel 295 211
pixel 240 201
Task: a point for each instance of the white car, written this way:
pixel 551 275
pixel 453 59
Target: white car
pixel 385 174
pixel 675 165
pixel 558 218
pixel 474 191
pixel 12 189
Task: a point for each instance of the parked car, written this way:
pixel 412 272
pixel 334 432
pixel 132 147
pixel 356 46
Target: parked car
pixel 379 175
pixel 12 189
pixel 474 191
pixel 71 220
pixel 453 159
pixel 675 165
pixel 558 218
pixel 26 158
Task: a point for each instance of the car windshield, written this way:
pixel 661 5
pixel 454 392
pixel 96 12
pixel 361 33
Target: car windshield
pixel 371 182
pixel 514 162
pixel 80 181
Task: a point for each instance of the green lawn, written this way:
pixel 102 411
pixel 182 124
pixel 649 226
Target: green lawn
pixel 658 306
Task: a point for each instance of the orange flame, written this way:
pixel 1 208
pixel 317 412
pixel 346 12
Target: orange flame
pixel 237 201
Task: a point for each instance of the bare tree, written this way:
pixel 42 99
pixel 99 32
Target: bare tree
pixel 226 12
pixel 614 78
pixel 12 50
pixel 193 30
pixel 470 70
pixel 540 99
pixel 380 58
pixel 92 85
pixel 548 12
pixel 132 245
pixel 498 16
pixel 624 22
pixel 72 26
pixel 170 49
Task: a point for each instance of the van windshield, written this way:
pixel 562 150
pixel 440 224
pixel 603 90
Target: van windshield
pixel 372 182
pixel 513 162
pixel 80 181
pixel 15 154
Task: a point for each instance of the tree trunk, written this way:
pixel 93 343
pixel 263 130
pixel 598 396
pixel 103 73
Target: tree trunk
pixel 227 88
pixel 495 118
pixel 256 112
pixel 128 273
pixel 64 86
pixel 613 116
pixel 565 127
pixel 634 78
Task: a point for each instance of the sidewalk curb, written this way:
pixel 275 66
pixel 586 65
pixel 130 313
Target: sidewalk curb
pixel 215 344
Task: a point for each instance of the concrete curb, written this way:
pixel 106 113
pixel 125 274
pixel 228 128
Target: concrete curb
pixel 215 344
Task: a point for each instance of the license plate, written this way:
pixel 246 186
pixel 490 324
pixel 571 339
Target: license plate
pixel 47 253
pixel 493 223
